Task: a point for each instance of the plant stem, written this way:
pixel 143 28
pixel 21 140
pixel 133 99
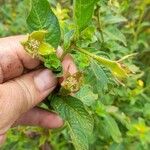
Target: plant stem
pixel 127 56
pixel 99 24
pixel 137 30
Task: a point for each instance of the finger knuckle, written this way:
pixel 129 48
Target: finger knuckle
pixel 26 96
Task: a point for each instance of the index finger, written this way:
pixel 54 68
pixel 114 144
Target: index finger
pixel 13 58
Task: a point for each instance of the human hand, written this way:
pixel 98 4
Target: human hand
pixel 20 92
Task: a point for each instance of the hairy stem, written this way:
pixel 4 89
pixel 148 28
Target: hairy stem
pixel 137 30
pixel 127 56
pixel 100 24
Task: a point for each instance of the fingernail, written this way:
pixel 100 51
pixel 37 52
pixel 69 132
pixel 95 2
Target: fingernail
pixel 45 80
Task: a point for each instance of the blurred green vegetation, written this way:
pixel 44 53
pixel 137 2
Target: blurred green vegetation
pixel 129 105
pixel 12 17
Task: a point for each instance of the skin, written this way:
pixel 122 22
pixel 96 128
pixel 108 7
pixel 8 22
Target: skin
pixel 23 85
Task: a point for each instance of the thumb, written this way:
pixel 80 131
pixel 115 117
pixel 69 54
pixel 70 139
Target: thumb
pixel 21 94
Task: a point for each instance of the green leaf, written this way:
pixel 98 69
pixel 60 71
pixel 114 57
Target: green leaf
pixel 78 120
pixel 81 60
pixel 115 67
pixel 100 109
pixel 113 128
pixel 116 146
pixel 52 62
pixel 146 110
pixel 86 95
pixel 83 11
pixel 100 76
pixel 42 17
pixel 112 33
pixel 110 19
pixel 88 32
pixel 68 38
pixel 121 117
pixel 117 48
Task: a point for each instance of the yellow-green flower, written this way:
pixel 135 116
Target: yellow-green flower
pixel 36 46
